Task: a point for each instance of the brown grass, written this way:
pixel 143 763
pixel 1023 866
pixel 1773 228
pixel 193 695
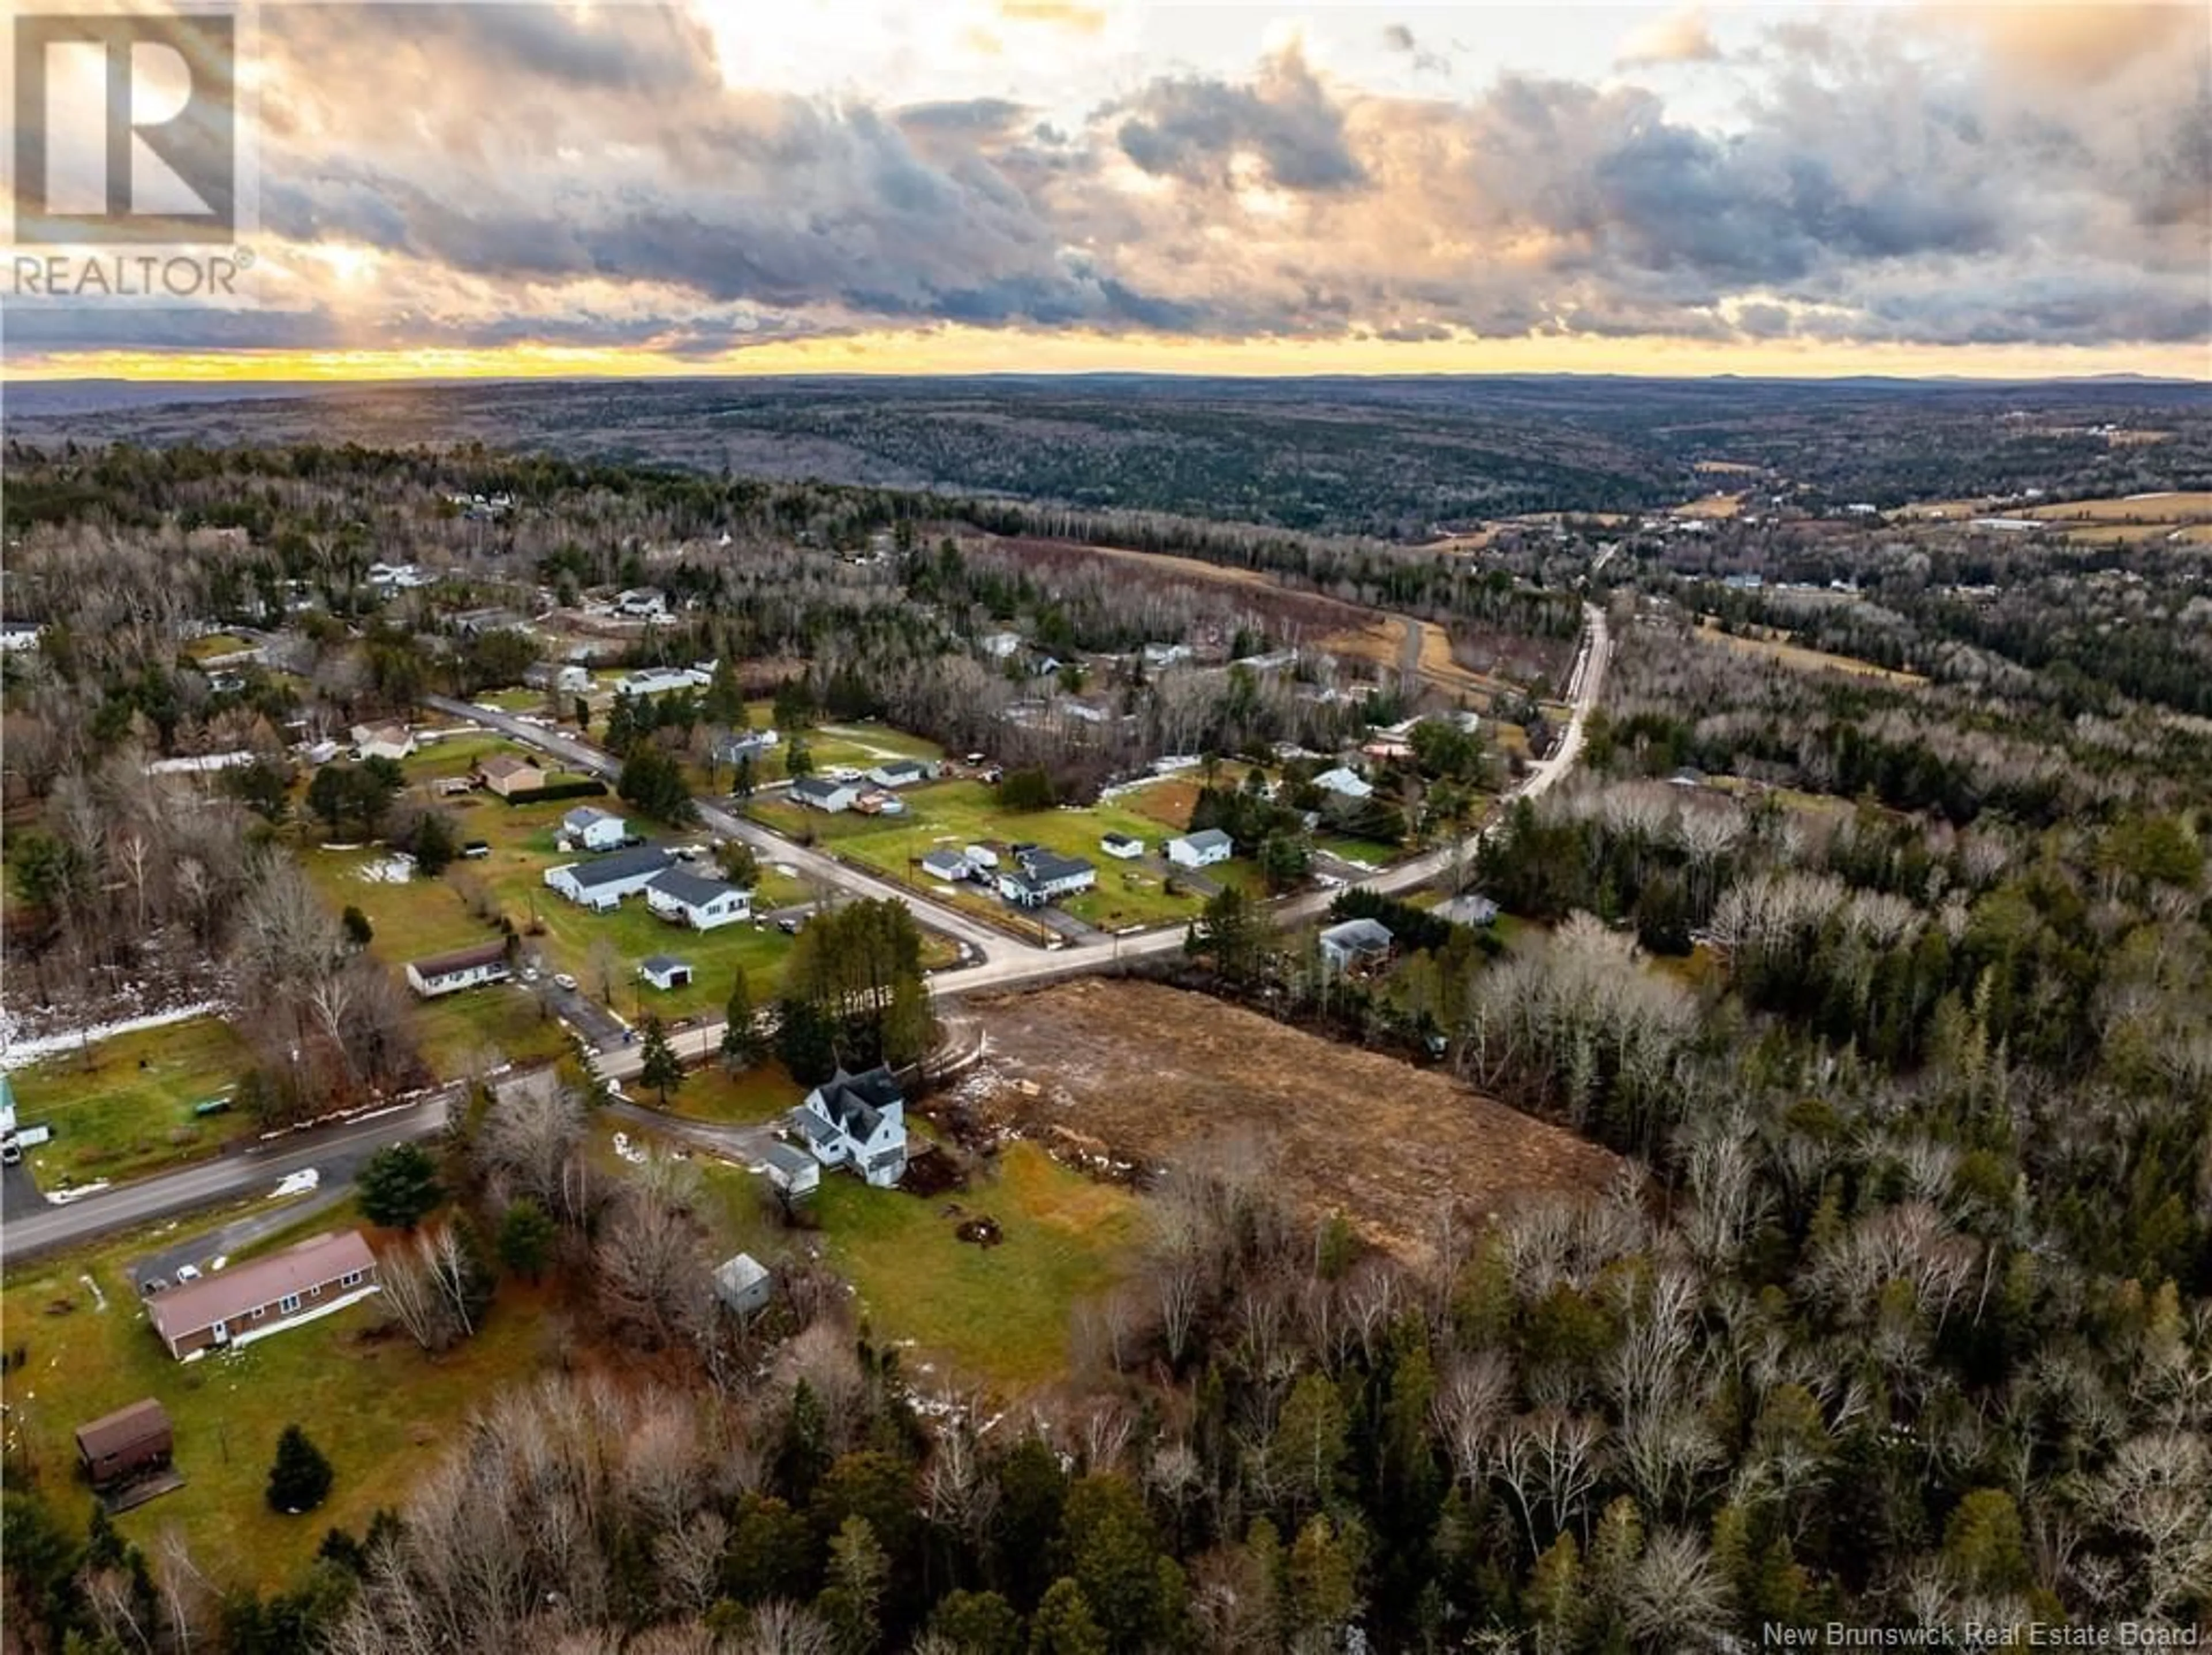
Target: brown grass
pixel 1153 1075
pixel 1723 467
pixel 1808 661
pixel 2179 507
pixel 1711 506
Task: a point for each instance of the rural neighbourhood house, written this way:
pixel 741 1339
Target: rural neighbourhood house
pixel 902 773
pixel 589 828
pixel 1347 783
pixel 745 744
pixel 1355 943
pixel 507 775
pixel 947 865
pixel 1201 849
pixel 464 968
pixel 692 899
pixel 393 741
pixel 250 1301
pixel 118 1447
pixel 1041 876
pixel 665 972
pixel 824 794
pixel 602 883
pixel 1127 846
pixel 857 1121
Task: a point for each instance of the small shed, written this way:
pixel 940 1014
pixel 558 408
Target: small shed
pixel 126 1443
pixel 743 1283
pixel 666 971
pixel 793 1173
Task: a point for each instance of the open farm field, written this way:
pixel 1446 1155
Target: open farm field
pixel 1808 661
pixel 1140 1070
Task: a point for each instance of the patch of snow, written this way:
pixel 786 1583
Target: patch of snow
pixel 18 1053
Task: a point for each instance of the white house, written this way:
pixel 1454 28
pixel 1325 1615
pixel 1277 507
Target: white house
pixel 383 741
pixel 1355 943
pixel 947 865
pixel 1127 846
pixel 1201 849
pixel 602 882
pixel 1345 783
pixel 663 680
pixel 825 793
pixel 464 968
pixel 643 603
pixel 589 828
pixel 1044 876
pixel 981 856
pixel 902 772
pixel 1166 654
pixel 1000 645
pixel 755 745
pixel 857 1121
pixel 665 972
pixel 687 898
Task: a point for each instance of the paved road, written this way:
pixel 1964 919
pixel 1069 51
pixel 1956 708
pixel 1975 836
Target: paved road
pixel 1005 964
pixel 336 1152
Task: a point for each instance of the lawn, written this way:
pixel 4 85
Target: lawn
pixel 382 1411
pixel 215 645
pixel 1000 1314
pixel 711 1093
pixel 123 1107
pixel 425 916
pixel 955 814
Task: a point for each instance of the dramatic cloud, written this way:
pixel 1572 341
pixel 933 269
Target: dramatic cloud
pixel 470 176
pixel 1680 37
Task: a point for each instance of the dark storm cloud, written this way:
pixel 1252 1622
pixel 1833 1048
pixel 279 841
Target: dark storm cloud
pixel 588 177
pixel 1191 129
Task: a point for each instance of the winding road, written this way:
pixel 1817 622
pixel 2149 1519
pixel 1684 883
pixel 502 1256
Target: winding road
pixel 1004 962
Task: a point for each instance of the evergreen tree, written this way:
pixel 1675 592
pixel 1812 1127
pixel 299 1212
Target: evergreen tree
pixel 526 1235
pixel 742 1043
pixel 659 1066
pixel 400 1185
pixel 977 1623
pixel 300 1479
pixel 359 932
pixel 1064 1624
pixel 798 757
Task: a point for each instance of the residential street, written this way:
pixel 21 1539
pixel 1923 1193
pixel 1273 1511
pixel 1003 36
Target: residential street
pixel 1005 964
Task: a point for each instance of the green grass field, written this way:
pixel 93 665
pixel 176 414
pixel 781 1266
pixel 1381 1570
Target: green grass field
pixel 382 1411
pixel 1000 1314
pixel 954 814
pixel 426 916
pixel 124 1108
pixel 757 1094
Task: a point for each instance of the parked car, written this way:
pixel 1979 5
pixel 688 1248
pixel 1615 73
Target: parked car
pixel 562 980
pixel 789 926
pixel 188 1272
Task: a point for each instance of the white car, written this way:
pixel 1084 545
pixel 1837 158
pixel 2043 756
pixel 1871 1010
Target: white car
pixel 562 980
pixel 188 1272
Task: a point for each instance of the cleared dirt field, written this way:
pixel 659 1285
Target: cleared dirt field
pixel 1143 1073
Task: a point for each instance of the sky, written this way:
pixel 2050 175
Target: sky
pixel 854 186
